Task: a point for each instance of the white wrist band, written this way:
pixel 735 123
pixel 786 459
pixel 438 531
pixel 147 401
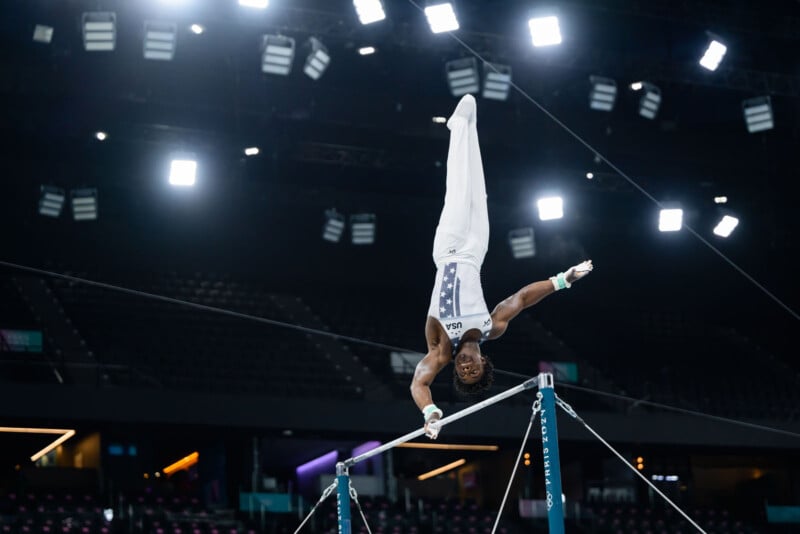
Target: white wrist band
pixel 559 282
pixel 431 409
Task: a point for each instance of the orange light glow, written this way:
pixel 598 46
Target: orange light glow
pixel 184 463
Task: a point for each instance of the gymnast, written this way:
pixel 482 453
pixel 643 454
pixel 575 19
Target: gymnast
pixel 458 319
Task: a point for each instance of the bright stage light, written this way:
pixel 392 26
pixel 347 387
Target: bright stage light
pixel 463 76
pixel 334 226
pixel 366 50
pixel 43 34
pixel 251 151
pixel 369 11
pixel 260 4
pixel 99 31
pixel 197 29
pixel 84 204
pixel 650 102
pixel 101 136
pixel 758 114
pixel 726 226
pixel 51 201
pixel 439 120
pixel 590 176
pixel 183 172
pixel 636 86
pixel 442 17
pixel 550 208
pixel 670 220
pixel 522 243
pixel 496 81
pixel 277 54
pixel 362 229
pixel 603 94
pixel 720 200
pixel 713 55
pixel 318 59
pixel 160 39
pixel 184 463
pixel 545 31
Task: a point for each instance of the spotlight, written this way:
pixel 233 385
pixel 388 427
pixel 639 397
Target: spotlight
pixel 334 226
pixel 99 31
pixel 52 201
pixel 545 31
pixel 636 86
pixel 101 136
pixel 197 29
pixel 277 54
pixel 713 55
pixel 439 120
pixel 496 81
pixel 182 172
pixel 650 101
pixel 43 34
pixel 160 39
pixel 84 204
pixel 726 226
pixel 550 208
pixel 590 176
pixel 462 76
pixel 603 94
pixel 251 151
pixel 317 60
pixel 369 11
pixel 521 242
pixel 362 229
pixel 670 220
pixel 442 17
pixel 720 200
pixel 758 114
pixel 366 50
pixel 260 4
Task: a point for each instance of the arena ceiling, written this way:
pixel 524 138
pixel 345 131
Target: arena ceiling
pixel 361 139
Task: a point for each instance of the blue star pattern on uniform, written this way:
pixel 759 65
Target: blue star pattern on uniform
pixel 448 296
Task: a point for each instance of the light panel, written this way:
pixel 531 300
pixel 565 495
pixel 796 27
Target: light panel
pixel 43 34
pixel 603 95
pixel 522 243
pixel 369 11
pixel 442 18
pixel 726 226
pixel 650 102
pixel 277 54
pixel 758 114
pixel 51 201
pixel 334 226
pixel 545 31
pixel 713 55
pixel 84 204
pixel 496 81
pixel 160 39
pixel 670 220
pixel 183 172
pixel 550 208
pixel 317 61
pixel 362 229
pixel 463 76
pixel 99 31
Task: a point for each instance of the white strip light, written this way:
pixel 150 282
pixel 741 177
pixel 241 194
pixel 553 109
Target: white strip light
pixel 442 18
pixel 366 50
pixel 160 39
pixel 369 11
pixel 670 220
pixel 758 114
pixel 550 208
pixel 726 226
pixel 463 76
pixel 362 229
pixel 603 94
pixel 522 243
pixel 99 31
pixel 650 102
pixel 277 54
pixel 318 59
pixel 713 55
pixel 334 226
pixel 545 31
pixel 496 81
pixel 51 201
pixel 84 204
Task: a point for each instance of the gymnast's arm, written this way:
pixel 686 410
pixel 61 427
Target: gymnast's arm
pixel 437 359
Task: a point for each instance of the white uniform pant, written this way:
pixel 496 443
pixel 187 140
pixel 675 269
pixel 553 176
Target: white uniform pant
pixel 463 232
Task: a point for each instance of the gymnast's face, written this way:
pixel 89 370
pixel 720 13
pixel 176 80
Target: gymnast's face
pixel 469 365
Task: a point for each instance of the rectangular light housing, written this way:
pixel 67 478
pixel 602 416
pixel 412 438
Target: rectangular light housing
pixel 183 172
pixel 670 220
pixel 726 226
pixel 550 208
pixel 713 55
pixel 318 59
pixel 334 226
pixel 758 114
pixel 160 39
pixel 522 243
pixel 43 34
pixel 51 201
pixel 442 17
pixel 369 11
pixel 603 94
pixel 545 31
pixel 277 54
pixel 362 229
pixel 496 81
pixel 99 31
pixel 650 102
pixel 84 204
pixel 463 76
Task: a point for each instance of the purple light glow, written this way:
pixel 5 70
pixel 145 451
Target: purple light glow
pixel 365 447
pixel 317 464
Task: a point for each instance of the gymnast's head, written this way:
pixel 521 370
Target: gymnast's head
pixel 473 372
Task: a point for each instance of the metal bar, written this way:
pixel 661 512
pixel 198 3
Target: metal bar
pixel 343 498
pixel 528 384
pixel 552 461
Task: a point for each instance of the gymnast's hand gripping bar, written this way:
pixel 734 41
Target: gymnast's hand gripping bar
pixel 528 384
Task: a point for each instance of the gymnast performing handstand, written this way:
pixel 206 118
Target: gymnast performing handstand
pixel 458 319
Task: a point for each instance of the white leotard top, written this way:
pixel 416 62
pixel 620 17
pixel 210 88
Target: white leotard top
pixel 457 301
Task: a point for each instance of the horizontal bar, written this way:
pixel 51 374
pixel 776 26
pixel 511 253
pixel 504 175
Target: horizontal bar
pixel 528 384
